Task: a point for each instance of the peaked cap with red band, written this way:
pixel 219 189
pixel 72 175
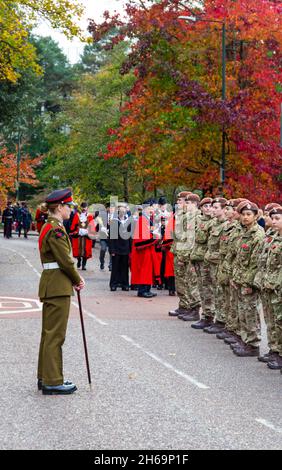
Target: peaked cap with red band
pixel 60 196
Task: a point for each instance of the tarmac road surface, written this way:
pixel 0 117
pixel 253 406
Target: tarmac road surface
pixel 157 383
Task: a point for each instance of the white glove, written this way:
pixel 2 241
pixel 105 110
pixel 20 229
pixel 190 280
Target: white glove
pixel 83 232
pixel 104 230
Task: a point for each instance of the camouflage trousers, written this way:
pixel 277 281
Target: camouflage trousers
pixel 268 314
pixel 186 285
pixel 249 321
pixel 219 300
pixel 276 310
pixel 232 318
pixel 205 288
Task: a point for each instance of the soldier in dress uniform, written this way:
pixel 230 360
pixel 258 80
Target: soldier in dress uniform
pixel 58 279
pixel 7 220
pixel 81 243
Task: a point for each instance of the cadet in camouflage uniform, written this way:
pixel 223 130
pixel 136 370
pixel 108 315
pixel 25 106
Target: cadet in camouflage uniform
pixel 265 295
pixel 204 225
pixel 272 283
pixel 58 278
pixel 223 275
pixel 212 257
pixel 190 222
pixel 232 320
pixel 244 271
pixel 180 266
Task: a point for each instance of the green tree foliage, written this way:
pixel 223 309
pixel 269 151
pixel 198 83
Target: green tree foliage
pixel 17 17
pixel 79 136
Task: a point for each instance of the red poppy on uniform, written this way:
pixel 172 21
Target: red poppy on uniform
pixel 245 247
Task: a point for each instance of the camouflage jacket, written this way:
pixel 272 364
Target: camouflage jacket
pixel 203 229
pixel 229 229
pixel 273 273
pixel 248 248
pixel 212 254
pixel 262 258
pixel 184 236
pixel 228 262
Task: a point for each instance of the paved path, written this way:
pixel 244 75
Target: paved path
pixel 157 383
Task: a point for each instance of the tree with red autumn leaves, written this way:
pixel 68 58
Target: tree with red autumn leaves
pixel 172 124
pixel 8 173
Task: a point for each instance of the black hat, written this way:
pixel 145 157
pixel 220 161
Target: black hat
pixel 162 201
pixel 60 196
pixel 148 202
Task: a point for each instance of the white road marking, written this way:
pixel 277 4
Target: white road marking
pixel 24 305
pixel 269 425
pixel 101 322
pixel 190 379
pixel 26 260
pixel 91 315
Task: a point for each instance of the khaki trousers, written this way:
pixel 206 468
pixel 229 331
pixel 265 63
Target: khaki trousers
pixel 55 316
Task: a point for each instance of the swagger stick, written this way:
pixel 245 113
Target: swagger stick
pixel 84 337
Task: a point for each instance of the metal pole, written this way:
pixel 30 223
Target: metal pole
pixel 18 167
pixel 84 337
pixel 281 127
pixel 223 77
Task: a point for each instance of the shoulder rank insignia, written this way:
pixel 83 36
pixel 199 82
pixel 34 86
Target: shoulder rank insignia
pixel 59 233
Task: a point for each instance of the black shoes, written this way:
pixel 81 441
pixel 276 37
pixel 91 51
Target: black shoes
pixel 147 295
pixel 203 323
pixel 65 389
pixel 78 263
pixel 58 389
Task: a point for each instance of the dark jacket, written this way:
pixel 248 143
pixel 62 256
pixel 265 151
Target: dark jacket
pixel 120 236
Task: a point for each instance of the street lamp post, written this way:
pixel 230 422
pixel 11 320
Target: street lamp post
pixel 223 93
pixel 18 167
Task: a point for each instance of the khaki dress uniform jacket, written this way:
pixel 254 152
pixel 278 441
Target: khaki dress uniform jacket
pixel 55 290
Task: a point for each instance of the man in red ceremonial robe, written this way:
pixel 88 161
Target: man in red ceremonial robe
pixel 169 256
pixel 81 243
pixel 143 259
pixel 41 217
